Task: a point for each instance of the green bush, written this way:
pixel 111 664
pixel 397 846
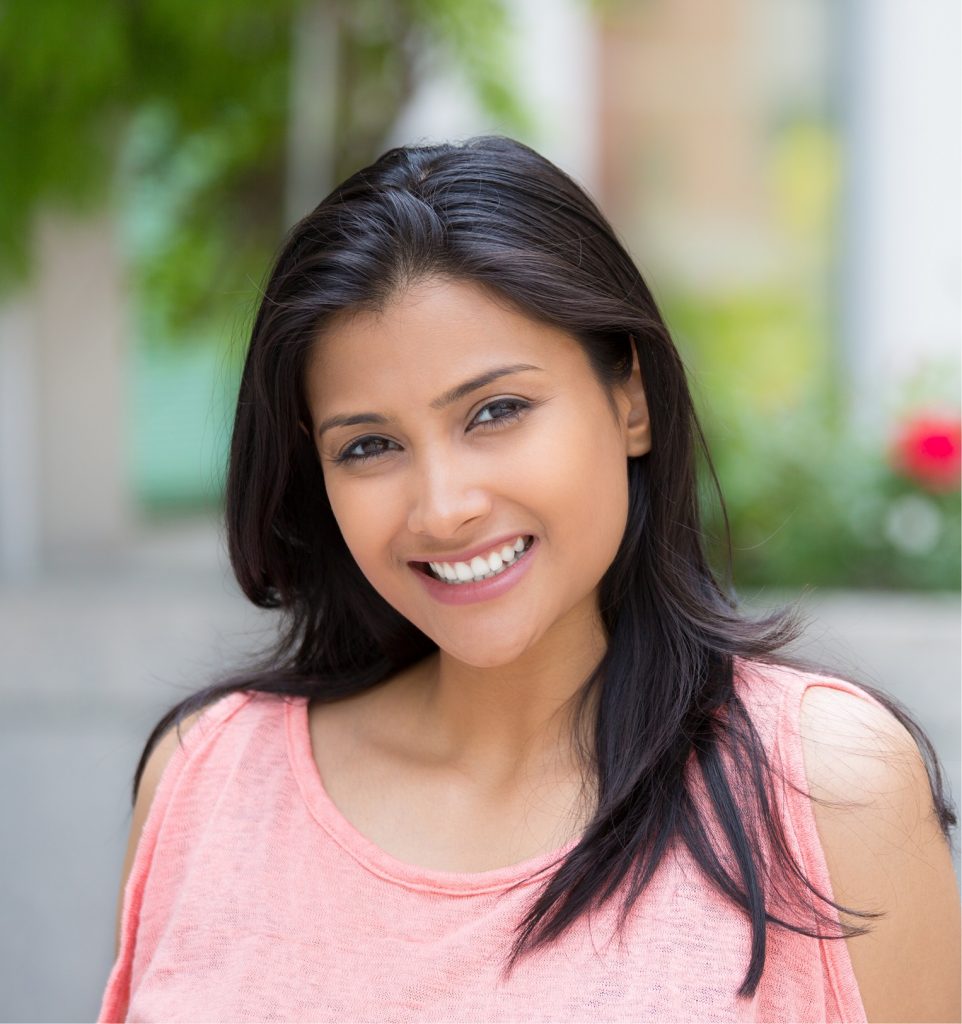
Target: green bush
pixel 811 500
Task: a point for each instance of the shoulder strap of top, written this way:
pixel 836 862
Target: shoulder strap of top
pixel 205 727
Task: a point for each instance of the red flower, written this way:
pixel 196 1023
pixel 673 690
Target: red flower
pixel 928 449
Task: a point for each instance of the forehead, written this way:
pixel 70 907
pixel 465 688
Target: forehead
pixel 435 332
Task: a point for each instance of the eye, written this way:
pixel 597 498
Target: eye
pixel 344 456
pixel 515 404
pixel 496 414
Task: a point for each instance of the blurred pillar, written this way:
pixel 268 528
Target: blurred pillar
pixel 553 57
pixel 19 489
pixel 83 505
pixel 688 92
pixel 313 105
pixel 901 235
pixel 556 59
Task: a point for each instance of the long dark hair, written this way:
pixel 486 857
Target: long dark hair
pixel 494 212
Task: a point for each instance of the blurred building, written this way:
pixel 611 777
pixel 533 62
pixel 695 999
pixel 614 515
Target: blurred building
pixel 757 141
pixel 808 142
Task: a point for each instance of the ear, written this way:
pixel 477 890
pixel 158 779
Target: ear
pixel 300 423
pixel 634 403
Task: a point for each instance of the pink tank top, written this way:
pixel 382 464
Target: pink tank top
pixel 252 898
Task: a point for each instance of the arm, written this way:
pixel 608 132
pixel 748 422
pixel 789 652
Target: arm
pixel 885 853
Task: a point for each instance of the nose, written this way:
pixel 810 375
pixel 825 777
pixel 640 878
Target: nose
pixel 446 494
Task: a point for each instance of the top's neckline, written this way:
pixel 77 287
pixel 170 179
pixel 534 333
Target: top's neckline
pixel 371 856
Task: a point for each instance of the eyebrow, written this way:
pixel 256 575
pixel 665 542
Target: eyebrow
pixel 447 398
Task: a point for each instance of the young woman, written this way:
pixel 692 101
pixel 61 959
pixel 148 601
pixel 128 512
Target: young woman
pixel 516 756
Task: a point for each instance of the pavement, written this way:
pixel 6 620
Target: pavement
pixel 92 654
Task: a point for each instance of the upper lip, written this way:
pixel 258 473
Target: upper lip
pixel 479 549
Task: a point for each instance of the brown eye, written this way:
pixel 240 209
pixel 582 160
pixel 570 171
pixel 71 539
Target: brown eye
pixel 345 455
pixel 516 408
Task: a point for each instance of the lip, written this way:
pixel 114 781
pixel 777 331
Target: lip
pixel 485 590
pixel 479 549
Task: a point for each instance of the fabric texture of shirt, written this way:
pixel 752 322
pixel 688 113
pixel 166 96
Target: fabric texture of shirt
pixel 252 898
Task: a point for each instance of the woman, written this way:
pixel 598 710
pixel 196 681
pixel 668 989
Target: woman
pixel 516 755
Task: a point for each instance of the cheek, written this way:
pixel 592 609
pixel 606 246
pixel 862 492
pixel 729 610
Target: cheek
pixel 581 478
pixel 580 456
pixel 604 516
pixel 359 516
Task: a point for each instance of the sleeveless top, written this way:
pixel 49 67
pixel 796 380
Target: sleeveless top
pixel 252 898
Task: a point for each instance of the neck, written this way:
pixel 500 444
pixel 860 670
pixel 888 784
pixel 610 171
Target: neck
pixel 497 725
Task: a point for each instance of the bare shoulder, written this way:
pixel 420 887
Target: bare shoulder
pixel 153 771
pixel 885 852
pixel 851 742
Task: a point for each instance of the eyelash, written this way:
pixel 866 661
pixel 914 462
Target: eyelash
pixel 500 421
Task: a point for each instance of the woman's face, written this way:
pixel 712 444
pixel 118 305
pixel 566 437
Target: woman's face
pixel 434 469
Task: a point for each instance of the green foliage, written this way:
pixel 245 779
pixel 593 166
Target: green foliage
pixel 186 106
pixel 765 350
pixel 811 500
pixel 476 36
pixel 77 75
pixel 178 115
pixel 51 140
pixel 813 503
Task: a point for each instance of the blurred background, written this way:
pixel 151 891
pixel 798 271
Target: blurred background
pixel 784 172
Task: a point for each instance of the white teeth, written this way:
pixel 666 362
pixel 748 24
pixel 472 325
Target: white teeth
pixel 479 568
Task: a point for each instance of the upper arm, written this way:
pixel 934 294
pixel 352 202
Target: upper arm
pixel 153 770
pixel 885 852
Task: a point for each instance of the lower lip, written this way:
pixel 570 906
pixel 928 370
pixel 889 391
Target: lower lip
pixel 483 590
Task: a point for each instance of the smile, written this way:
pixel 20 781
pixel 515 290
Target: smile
pixel 481 567
pixel 487 579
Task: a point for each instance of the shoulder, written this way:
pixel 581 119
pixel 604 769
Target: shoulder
pixel 187 732
pixel 850 739
pixel 154 768
pixel 885 852
pixel 174 738
pixel 160 754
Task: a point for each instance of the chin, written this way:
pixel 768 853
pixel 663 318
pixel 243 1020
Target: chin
pixel 479 652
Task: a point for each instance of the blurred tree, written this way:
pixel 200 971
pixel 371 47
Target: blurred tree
pixel 193 134
pixel 198 103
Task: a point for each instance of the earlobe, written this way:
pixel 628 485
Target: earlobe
pixel 638 426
